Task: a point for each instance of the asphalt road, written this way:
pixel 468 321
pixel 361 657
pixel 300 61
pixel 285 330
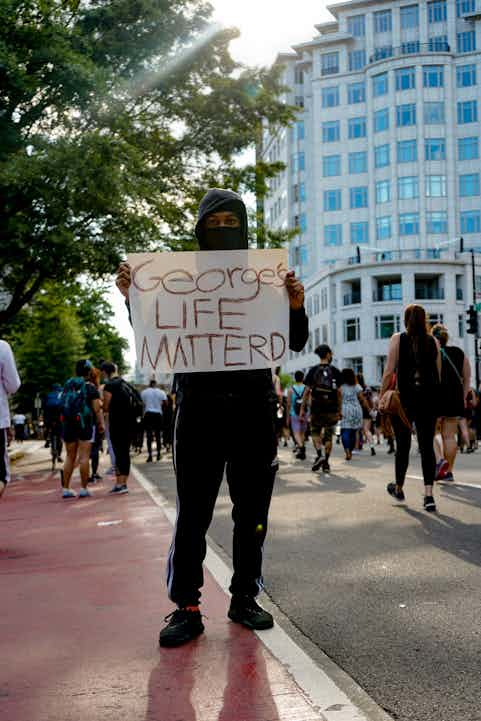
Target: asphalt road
pixel 392 594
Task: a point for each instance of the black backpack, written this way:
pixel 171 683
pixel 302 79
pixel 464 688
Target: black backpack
pixel 324 393
pixel 130 402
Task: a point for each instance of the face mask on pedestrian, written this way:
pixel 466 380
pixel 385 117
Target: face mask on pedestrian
pixel 223 238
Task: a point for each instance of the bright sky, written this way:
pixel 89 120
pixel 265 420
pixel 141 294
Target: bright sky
pixel 267 28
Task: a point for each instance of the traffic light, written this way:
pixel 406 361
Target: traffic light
pixel 472 320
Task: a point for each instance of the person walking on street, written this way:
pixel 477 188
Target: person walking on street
pixel 352 407
pixel 368 413
pixel 455 385
pixel 122 407
pixel 414 361
pixel 155 401
pixel 81 409
pixel 294 405
pixel 212 412
pixel 323 396
pixel 9 384
pixel 19 420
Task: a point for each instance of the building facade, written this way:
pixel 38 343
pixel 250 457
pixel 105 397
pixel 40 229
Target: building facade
pixel 383 173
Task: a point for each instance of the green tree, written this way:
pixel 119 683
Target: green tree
pixel 113 114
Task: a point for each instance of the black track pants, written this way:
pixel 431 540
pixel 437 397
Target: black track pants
pixel 425 428
pixel 207 443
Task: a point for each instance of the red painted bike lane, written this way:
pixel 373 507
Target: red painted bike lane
pixel 81 604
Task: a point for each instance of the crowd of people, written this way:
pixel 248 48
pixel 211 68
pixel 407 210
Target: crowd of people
pixel 431 381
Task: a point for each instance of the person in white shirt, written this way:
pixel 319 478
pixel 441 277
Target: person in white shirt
pixel 9 383
pixel 154 400
pixel 19 426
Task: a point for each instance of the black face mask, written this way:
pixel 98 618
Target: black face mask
pixel 223 239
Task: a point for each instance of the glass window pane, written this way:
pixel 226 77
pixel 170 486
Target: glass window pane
pixel 468 148
pixel 381 156
pixel 407 151
pixel 435 149
pixel 409 16
pixel 358 162
pixel 405 78
pixel 331 165
pixel 380 84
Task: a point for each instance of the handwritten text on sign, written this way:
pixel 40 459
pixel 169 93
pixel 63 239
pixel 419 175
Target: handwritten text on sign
pixel 209 311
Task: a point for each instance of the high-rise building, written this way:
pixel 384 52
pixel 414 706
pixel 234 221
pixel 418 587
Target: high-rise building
pixel 382 173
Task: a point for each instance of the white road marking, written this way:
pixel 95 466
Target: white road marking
pixel 108 523
pixel 321 690
pixel 449 483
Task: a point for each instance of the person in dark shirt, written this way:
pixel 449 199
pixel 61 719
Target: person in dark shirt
pixel 323 395
pixel 213 409
pixel 78 427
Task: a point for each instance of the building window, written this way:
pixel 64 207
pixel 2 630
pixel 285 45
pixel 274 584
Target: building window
pixel 359 232
pixel 467 112
pixel 357 59
pixel 465 76
pixel 333 234
pixel 329 63
pixel 383 191
pixel 381 156
pixel 437 11
pixel 356 93
pixel 435 186
pixel 382 21
pixel 331 131
pixel 324 299
pixel 299 130
pixel 408 187
pixel 408 223
pixel 358 197
pixel 387 325
pixel 410 47
pixel 461 326
pixel 409 16
pixel 434 113
pixel 316 304
pixel 383 228
pixel 407 151
pixel 331 165
pixel 466 42
pixel 381 120
pixel 385 51
pixel 433 76
pixel 464 6
pixel 358 162
pixel 406 115
pixel 405 78
pixel 356 127
pixel 356 25
pixel 330 96
pixel 435 149
pixel 437 221
pixel 438 44
pixel 298 162
pixel 380 85
pixel 352 330
pixel 332 200
pixel 469 185
pixel 468 148
pixel 471 221
pixel 388 289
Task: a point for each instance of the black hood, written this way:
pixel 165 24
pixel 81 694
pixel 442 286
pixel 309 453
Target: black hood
pixel 218 199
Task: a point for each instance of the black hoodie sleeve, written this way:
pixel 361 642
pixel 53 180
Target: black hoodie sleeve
pixel 298 329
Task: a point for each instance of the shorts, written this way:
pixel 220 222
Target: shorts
pixel 73 432
pixel 324 425
pixel 298 424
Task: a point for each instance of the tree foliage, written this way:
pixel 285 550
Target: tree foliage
pixel 115 115
pixel 56 329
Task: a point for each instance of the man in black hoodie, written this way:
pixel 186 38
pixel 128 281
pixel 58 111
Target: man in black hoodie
pixel 214 409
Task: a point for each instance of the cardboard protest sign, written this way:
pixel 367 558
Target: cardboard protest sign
pixel 209 311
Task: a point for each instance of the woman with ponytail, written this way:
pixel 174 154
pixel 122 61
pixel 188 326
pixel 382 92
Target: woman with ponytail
pixel 414 363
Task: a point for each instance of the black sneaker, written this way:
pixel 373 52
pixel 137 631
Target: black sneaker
pixel 149 459
pixel 317 463
pixel 244 610
pixel 183 626
pixel 373 451
pixel 429 504
pixel 325 466
pixel 301 454
pixel 398 495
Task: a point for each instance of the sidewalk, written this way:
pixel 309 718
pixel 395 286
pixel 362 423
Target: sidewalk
pixel 83 599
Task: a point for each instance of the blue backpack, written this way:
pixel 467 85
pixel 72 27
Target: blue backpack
pixel 75 406
pixel 53 401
